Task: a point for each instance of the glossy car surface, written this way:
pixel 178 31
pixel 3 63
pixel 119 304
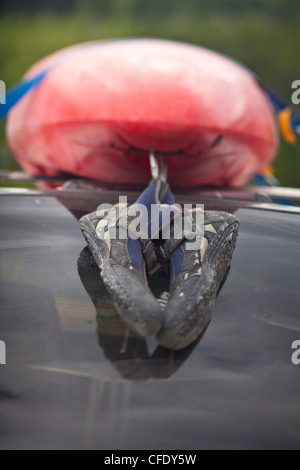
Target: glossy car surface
pixel 75 378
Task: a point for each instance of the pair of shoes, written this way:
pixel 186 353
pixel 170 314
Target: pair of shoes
pixel 131 355
pixel 126 260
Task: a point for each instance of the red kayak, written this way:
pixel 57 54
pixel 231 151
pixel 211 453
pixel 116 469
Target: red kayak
pixel 103 106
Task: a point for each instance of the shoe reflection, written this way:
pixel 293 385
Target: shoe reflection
pixel 130 355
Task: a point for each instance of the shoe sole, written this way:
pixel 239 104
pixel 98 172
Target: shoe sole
pixel 133 299
pixel 189 308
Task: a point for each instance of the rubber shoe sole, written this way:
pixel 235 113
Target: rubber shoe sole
pixel 189 307
pixel 131 295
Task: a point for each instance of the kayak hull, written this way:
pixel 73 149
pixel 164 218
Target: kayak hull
pixel 102 107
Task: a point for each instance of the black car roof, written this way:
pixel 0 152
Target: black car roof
pixel 75 378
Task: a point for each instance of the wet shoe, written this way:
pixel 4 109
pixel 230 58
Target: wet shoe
pixel 196 279
pixel 123 272
pixel 122 257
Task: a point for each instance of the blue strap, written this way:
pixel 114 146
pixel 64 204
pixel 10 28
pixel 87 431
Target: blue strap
pixel 147 198
pixel 19 90
pixel 279 104
pixel 270 180
pixel 176 262
pixel 265 180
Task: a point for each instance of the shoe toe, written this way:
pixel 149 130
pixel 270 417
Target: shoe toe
pixel 186 316
pixel 134 301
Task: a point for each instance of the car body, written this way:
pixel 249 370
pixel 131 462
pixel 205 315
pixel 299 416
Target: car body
pixel 75 378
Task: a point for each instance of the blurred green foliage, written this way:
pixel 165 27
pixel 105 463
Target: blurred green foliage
pixel 262 34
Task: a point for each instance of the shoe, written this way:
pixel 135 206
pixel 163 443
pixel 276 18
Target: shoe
pixel 122 263
pixel 196 279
